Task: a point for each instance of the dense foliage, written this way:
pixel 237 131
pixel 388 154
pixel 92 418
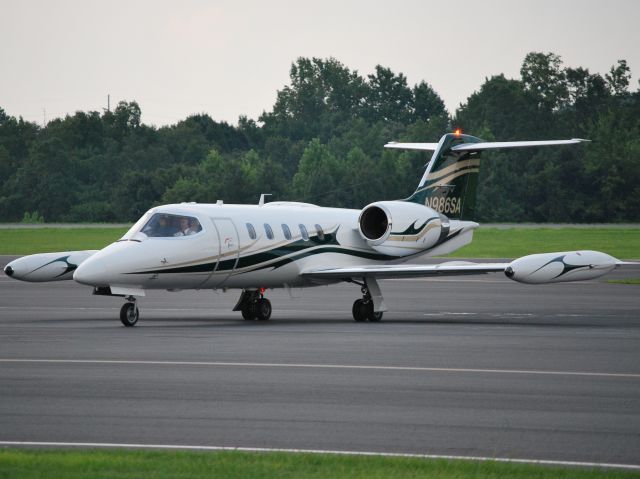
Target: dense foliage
pixel 323 142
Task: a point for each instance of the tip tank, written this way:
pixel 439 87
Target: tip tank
pixel 559 267
pixel 47 266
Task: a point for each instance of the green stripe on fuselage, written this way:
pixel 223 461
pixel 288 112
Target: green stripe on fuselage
pixel 282 255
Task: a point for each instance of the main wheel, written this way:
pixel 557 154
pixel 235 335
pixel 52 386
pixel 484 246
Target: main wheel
pixel 248 312
pixel 129 314
pixel 263 309
pixel 359 310
pixel 363 311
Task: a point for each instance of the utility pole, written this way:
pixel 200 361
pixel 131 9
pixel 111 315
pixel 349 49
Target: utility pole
pixel 44 117
pixel 108 102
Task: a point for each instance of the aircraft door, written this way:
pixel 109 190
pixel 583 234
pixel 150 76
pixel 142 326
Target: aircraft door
pixel 228 252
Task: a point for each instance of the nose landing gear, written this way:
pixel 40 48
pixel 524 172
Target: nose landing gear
pixel 253 305
pixel 129 312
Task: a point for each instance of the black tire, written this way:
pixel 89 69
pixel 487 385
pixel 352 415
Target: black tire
pixel 129 314
pixel 359 311
pixel 248 312
pixel 375 317
pixel 263 309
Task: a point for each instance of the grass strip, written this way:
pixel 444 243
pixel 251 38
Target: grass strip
pixel 44 240
pixel 623 243
pixel 97 464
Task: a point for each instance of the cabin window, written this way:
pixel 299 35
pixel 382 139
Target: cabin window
pixel 303 232
pixel 320 232
pixel 286 231
pixel 163 225
pixel 251 230
pixel 268 230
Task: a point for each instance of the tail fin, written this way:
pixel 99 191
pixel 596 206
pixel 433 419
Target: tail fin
pixel 450 181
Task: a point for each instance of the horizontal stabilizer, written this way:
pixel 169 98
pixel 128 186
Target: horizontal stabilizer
pixel 495 145
pixel 413 146
pixel 484 145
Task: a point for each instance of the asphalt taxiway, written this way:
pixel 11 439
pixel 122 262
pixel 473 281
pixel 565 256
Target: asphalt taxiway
pixel 478 366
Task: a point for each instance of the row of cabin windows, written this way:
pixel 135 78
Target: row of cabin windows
pixel 286 231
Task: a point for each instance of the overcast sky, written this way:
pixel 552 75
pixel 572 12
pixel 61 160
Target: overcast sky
pixel 228 58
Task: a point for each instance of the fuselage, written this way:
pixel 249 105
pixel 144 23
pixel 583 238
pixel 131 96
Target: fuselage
pixel 238 246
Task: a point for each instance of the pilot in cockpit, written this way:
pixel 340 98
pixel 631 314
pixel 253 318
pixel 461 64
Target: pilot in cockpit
pixel 195 225
pixel 163 228
pixel 187 227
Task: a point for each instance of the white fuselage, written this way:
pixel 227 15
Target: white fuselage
pixel 234 248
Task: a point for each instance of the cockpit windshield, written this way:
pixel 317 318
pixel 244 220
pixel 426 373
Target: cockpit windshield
pixel 163 225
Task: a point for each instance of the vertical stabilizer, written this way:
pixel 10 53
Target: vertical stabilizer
pixel 450 181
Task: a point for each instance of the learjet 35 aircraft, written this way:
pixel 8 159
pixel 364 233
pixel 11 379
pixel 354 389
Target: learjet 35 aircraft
pixel 290 245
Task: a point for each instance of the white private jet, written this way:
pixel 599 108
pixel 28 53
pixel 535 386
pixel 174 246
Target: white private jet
pixel 288 244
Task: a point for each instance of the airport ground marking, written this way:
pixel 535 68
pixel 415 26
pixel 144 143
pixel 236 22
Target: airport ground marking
pixel 322 366
pixel 546 462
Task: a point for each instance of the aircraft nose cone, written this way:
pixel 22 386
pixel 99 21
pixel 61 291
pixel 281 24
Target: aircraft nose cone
pixel 8 270
pixel 91 272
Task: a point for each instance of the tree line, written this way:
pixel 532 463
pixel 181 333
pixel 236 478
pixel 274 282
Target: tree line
pixel 322 142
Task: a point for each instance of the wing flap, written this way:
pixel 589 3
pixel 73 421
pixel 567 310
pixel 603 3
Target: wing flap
pixel 453 268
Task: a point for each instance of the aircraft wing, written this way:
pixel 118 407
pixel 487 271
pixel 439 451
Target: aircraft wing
pixel 413 146
pixel 494 145
pixel 452 268
pixel 532 269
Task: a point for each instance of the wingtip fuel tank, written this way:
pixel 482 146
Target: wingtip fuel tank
pixel 47 266
pixel 560 267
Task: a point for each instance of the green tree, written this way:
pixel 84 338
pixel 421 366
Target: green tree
pixel 427 104
pixel 389 97
pixel 618 78
pixel 318 175
pixel 543 77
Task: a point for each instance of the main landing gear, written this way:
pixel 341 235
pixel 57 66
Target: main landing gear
pixel 129 312
pixel 253 305
pixel 364 309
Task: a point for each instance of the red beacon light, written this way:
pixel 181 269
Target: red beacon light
pixel 457 132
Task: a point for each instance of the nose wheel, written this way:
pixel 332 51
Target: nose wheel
pixel 262 309
pixel 129 313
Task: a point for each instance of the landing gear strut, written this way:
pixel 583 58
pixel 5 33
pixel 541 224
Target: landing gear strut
pixel 129 313
pixel 253 305
pixel 363 309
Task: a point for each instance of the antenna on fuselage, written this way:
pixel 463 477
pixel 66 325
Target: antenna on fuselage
pixel 262 197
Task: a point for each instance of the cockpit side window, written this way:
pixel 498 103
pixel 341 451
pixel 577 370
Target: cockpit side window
pixel 135 229
pixel 164 225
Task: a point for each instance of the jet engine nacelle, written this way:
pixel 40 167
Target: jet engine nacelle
pixel 47 266
pixel 558 267
pixel 399 228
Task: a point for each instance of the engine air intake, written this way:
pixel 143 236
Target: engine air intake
pixel 374 222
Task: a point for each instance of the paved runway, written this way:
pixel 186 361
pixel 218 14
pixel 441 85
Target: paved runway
pixel 476 367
